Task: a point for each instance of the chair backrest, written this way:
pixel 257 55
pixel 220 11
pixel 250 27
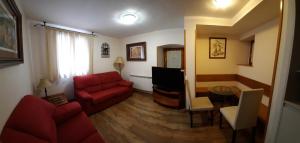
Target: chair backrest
pixel 248 107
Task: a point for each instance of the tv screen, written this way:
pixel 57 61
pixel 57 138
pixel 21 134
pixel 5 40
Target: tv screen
pixel 170 79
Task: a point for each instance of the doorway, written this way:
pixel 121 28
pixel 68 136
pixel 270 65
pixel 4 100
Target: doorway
pixel 170 56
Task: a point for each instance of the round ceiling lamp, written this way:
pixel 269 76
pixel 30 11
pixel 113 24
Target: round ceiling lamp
pixel 222 3
pixel 128 17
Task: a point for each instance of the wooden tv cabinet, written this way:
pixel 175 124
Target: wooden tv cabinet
pixel 170 99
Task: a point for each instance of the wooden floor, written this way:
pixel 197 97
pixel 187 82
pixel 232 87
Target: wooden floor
pixel 140 120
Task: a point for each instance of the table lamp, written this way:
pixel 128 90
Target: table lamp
pixel 44 83
pixel 119 64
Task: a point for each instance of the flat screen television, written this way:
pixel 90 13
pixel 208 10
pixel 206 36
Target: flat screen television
pixel 169 79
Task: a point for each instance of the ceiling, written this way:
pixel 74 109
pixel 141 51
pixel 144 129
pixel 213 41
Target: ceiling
pixel 266 11
pixel 99 15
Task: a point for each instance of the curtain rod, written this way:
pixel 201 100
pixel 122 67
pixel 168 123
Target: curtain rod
pixel 44 24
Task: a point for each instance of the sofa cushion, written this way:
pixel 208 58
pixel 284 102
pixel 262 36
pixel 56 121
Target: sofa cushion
pixel 13 136
pixel 81 82
pixel 75 129
pixel 109 77
pixel 109 85
pixel 103 95
pixel 34 116
pixel 92 89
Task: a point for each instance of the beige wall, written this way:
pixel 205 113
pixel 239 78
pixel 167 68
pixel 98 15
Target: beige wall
pixel 15 81
pixel 263 53
pixel 140 72
pixel 237 52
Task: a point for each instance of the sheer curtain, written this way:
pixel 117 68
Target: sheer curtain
pixel 69 53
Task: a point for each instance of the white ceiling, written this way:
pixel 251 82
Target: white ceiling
pixel 98 15
pixel 266 11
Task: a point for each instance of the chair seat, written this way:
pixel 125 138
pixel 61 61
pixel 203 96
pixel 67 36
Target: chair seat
pixel 201 104
pixel 229 114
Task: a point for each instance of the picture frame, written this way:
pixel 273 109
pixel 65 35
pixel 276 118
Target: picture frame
pixel 11 42
pixel 217 47
pixel 105 50
pixel 136 51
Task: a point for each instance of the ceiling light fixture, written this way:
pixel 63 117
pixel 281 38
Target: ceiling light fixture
pixel 128 17
pixel 222 3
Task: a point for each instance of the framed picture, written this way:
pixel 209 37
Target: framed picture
pixel 217 48
pixel 11 46
pixel 105 50
pixel 136 51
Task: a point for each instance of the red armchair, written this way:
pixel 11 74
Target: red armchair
pixel 37 121
pixel 96 92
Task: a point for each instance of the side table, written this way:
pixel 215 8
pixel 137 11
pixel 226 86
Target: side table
pixel 57 99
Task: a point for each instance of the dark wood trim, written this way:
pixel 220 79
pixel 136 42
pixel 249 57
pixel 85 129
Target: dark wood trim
pixel 235 77
pixel 143 44
pixel 165 50
pixel 216 77
pixel 142 91
pixel 184 52
pixel 210 47
pixel 255 84
pixel 19 58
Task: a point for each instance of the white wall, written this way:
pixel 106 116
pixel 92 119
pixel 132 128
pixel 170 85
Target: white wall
pixel 237 52
pixel 38 44
pixel 105 64
pixel 141 71
pixel 263 53
pixel 15 80
pixel 282 72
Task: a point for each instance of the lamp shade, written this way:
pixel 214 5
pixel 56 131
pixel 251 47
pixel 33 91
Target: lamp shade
pixel 119 60
pixel 44 83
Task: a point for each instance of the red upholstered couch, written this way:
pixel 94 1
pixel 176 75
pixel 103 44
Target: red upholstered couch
pixel 37 121
pixel 96 92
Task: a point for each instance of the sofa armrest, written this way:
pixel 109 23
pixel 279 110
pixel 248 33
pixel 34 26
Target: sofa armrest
pixel 125 83
pixel 66 111
pixel 84 96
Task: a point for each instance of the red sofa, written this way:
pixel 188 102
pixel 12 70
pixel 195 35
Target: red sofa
pixel 34 120
pixel 96 92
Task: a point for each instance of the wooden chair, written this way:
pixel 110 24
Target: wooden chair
pixel 245 114
pixel 199 104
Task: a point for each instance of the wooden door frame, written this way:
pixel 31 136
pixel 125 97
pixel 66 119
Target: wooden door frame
pixel 165 50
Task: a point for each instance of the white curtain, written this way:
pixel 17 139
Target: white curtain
pixel 69 53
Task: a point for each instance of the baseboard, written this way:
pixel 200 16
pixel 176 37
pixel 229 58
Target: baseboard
pixel 143 91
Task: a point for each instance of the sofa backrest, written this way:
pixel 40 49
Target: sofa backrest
pixel 31 121
pixel 96 82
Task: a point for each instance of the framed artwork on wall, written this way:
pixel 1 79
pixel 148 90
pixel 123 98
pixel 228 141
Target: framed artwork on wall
pixel 217 48
pixel 136 51
pixel 105 50
pixel 11 44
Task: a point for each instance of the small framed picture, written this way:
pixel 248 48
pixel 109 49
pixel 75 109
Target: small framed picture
pixel 105 49
pixel 136 51
pixel 217 48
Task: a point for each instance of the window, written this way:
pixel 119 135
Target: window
pixel 72 54
pixel 69 54
pixel 251 53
